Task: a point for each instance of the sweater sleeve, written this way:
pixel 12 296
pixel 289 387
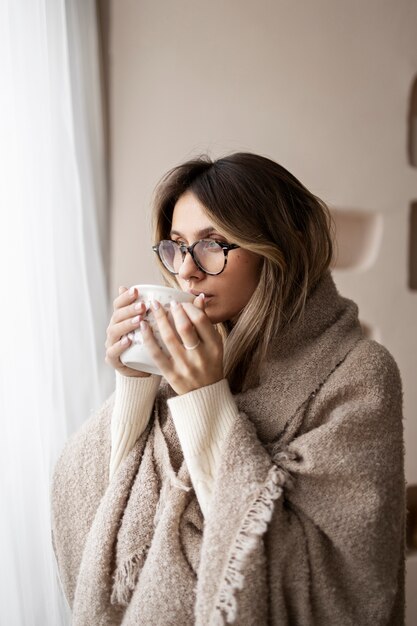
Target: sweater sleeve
pixel 203 418
pixel 134 398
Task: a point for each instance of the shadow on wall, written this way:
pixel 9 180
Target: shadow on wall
pixel 412 284
pixel 412 160
pixel 412 125
pixel 358 233
pixel 358 236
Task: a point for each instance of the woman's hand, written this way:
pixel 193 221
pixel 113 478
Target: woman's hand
pixel 127 315
pixel 186 369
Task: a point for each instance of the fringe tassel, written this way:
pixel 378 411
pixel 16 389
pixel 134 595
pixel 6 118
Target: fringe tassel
pixel 254 526
pixel 126 577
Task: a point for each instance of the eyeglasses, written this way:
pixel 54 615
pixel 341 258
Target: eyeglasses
pixel 209 255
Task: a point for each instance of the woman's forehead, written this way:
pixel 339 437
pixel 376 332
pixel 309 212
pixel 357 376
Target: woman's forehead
pixel 189 217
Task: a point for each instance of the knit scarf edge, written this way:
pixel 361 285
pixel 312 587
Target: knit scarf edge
pixel 126 577
pixel 254 525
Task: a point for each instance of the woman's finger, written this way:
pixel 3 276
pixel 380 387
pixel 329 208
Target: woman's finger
pixel 201 322
pixel 126 312
pixel 126 297
pixel 161 360
pixel 116 331
pixel 200 302
pixel 126 318
pixel 114 352
pixel 184 327
pixel 166 330
pixel 113 355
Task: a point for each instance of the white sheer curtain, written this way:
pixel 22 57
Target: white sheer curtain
pixel 54 306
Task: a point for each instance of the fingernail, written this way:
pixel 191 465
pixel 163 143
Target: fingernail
pixel 131 291
pixel 124 340
pixel 155 305
pixel 138 306
pixel 135 320
pixel 174 304
pixel 143 327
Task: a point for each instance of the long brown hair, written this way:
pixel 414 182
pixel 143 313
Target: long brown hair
pixel 259 205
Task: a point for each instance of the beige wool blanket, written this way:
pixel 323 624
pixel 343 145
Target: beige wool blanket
pixel 306 523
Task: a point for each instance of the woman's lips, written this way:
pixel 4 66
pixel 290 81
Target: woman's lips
pixel 196 293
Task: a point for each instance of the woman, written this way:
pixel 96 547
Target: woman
pixel 261 480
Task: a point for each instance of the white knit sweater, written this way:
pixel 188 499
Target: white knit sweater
pixel 202 418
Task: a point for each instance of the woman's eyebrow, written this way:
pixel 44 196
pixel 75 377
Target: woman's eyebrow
pixel 200 234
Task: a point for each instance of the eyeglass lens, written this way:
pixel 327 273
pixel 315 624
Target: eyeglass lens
pixel 208 254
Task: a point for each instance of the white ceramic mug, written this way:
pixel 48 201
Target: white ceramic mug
pixel 136 355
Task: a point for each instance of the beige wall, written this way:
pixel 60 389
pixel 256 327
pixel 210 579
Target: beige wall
pixel 322 87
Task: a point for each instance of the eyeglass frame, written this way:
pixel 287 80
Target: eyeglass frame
pixel 184 249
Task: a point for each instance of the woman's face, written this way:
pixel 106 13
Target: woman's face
pixel 228 292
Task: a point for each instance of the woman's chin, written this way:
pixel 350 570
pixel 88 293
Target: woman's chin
pixel 214 317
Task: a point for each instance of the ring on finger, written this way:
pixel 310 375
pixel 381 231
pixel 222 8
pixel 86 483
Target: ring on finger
pixel 192 347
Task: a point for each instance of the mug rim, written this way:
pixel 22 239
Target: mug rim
pixel 164 289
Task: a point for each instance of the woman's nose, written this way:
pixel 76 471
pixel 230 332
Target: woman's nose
pixel 188 268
